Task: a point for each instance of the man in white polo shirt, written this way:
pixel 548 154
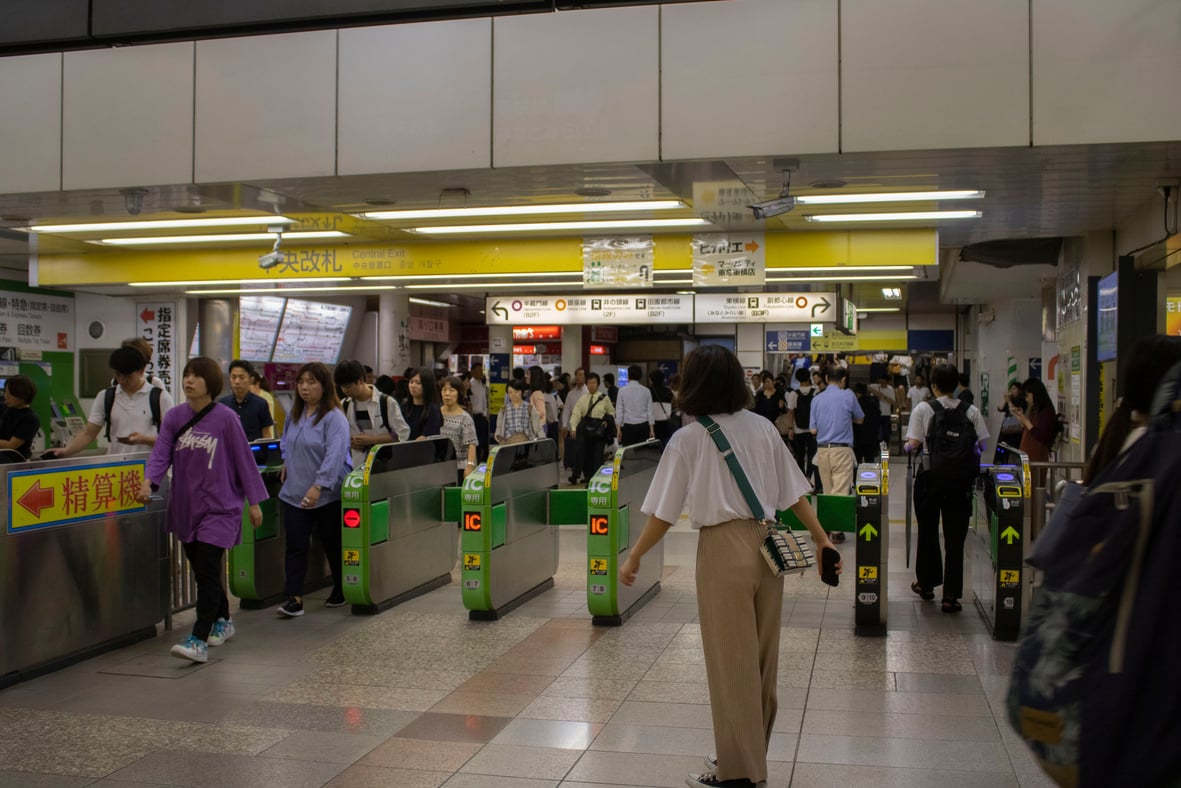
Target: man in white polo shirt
pixel 134 417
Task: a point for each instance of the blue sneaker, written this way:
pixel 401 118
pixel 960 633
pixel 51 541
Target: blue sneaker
pixel 191 649
pixel 222 631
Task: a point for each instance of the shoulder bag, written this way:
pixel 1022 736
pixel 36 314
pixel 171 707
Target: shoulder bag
pixel 785 552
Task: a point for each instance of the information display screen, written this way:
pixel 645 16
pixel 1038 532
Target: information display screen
pixel 1107 315
pixel 258 323
pixel 311 331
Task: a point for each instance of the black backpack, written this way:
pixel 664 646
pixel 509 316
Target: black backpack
pixel 153 404
pixel 804 409
pixel 951 444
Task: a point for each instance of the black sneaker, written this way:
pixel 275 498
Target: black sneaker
pixel 336 601
pixel 710 780
pixel 837 537
pixel 290 609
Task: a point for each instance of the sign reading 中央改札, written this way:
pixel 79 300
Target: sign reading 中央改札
pixel 41 498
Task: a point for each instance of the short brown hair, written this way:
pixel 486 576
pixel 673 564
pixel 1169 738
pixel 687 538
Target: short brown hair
pixel 328 400
pixel 22 387
pixel 140 344
pixel 208 370
pixel 712 381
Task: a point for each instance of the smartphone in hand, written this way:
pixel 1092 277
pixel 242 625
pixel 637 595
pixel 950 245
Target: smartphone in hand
pixel 829 559
pixel 124 439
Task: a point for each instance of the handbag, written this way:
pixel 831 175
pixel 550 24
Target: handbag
pixel 783 424
pixel 595 428
pixel 785 552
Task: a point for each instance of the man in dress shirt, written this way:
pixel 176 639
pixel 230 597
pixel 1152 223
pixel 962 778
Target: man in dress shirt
pixel 633 410
pixel 834 412
pixel 478 389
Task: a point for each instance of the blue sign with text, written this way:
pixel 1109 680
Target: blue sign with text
pixel 791 340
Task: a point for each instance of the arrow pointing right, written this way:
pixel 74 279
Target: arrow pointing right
pixel 1009 535
pixel 823 304
pixel 868 531
pixel 497 309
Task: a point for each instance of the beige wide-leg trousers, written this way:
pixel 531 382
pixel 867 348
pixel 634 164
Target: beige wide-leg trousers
pixel 739 602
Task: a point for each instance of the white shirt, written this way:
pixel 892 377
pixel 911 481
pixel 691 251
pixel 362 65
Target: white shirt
pixel 479 392
pixel 920 420
pixel 365 419
pixel 634 404
pixel 917 394
pixel 888 398
pixel 693 476
pixel 576 393
pixel 792 397
pixel 129 413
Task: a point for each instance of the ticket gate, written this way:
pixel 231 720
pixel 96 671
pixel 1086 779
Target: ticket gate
pixel 257 566
pixel 614 525
pixel 872 538
pixel 1000 585
pixel 510 552
pixel 83 564
pixel 396 541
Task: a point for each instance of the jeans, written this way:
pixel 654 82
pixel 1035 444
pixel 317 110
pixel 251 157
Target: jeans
pixel 934 499
pixel 298 524
pixel 212 602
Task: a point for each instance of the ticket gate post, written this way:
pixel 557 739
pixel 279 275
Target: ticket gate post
pixel 996 547
pixel 872 540
pixel 510 552
pixel 613 494
pixel 257 566
pixel 396 542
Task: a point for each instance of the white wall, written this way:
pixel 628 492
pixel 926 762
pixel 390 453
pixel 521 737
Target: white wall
pixel 1015 331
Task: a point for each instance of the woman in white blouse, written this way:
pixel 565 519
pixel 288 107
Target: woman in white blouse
pixel 739 600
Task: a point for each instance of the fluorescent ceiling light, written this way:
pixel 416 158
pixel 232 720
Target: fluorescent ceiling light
pixel 535 227
pixel 892 293
pixel 526 210
pixel 429 302
pixel 880 309
pixel 853 199
pixel 893 278
pixel 219 239
pixel 488 285
pixel 901 216
pixel 833 269
pixel 423 277
pixel 343 290
pixel 163 224
pixel 187 282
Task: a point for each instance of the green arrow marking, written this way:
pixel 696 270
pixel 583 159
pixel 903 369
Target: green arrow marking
pixel 1009 534
pixel 822 305
pixel 497 309
pixel 868 531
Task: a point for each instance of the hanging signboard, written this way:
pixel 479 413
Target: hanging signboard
pixel 618 262
pixel 156 323
pixel 729 260
pixel 531 333
pixel 580 310
pixel 764 308
pixel 32 321
pixel 429 329
pixel 792 340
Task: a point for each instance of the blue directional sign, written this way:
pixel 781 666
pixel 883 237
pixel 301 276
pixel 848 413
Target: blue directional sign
pixel 792 340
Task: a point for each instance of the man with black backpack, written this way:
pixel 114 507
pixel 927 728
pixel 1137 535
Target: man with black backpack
pixel 952 434
pixel 374 417
pixel 799 416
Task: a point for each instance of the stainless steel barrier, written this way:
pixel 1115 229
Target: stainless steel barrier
pixel 182 585
pixel 1048 476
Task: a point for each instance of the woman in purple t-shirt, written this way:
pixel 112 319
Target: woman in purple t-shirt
pixel 206 446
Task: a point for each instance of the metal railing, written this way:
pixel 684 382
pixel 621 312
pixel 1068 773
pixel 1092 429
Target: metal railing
pixel 1049 479
pixel 182 585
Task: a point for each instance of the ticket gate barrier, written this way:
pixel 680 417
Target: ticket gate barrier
pixel 83 564
pixel 510 552
pixel 613 494
pixel 835 513
pixel 872 547
pixel 997 536
pixel 257 566
pixel 395 540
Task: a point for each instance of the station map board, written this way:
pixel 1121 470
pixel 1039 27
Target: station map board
pixel 311 331
pixel 258 324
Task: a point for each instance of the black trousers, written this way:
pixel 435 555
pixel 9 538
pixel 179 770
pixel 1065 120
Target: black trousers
pixel 804 449
pixel 298 524
pixel 634 433
pixel 571 457
pixel 212 602
pixel 592 455
pixel 935 499
pixel 481 422
pixel 663 431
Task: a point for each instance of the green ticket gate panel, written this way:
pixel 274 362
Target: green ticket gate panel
pixel 614 524
pixel 257 566
pixel 510 552
pixel 396 541
pixel 998 532
pixel 872 542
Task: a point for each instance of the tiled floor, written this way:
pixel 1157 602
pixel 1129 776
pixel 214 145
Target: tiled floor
pixel 420 696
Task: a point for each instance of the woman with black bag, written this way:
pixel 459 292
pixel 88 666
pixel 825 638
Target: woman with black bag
pixel 593 421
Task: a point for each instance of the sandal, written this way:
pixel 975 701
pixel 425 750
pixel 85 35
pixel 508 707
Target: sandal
pixel 951 605
pixel 922 592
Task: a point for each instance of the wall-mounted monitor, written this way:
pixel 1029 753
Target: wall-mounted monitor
pixel 1105 316
pixel 311 331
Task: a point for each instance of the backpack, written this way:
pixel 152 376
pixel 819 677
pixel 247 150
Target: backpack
pixel 1091 691
pixel 804 409
pixel 951 444
pixel 382 401
pixel 153 404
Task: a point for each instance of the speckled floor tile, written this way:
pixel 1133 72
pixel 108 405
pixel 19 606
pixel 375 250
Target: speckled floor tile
pixel 670 692
pixel 846 679
pixel 511 683
pixel 598 666
pixel 625 768
pixel 969 756
pixel 686 672
pixel 490 781
pixel 904 726
pixel 573 687
pixel 812 775
pixel 454 727
pixel 890 702
pixel 323 746
pixel 507 760
pixel 491 704
pixel 556 734
pixel 79 745
pixel 380 675
pixel 938 682
pixel 30 780
pixel 193 770
pixel 231 739
pixel 300 716
pixel 358 776
pixel 530 666
pixel 421 755
pixel 573 709
pixel 356 695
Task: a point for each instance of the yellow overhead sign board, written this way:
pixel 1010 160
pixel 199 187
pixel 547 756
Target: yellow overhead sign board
pixel 39 499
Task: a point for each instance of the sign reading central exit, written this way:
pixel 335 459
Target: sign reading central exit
pixel 41 499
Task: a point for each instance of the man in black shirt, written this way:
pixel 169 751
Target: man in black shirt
pixel 252 409
pixel 19 424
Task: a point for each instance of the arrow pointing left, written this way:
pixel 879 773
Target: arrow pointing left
pixel 497 309
pixel 147 315
pixel 36 498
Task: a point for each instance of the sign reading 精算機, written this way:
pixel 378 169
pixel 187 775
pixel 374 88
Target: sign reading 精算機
pixel 618 262
pixel 43 498
pixel 729 260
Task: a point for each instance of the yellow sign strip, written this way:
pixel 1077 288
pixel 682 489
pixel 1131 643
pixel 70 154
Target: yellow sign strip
pixel 38 499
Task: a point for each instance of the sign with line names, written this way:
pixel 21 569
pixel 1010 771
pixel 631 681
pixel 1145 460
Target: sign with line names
pixel 764 308
pixel 582 309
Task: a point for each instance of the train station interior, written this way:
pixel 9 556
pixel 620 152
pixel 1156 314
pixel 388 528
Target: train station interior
pixel 427 185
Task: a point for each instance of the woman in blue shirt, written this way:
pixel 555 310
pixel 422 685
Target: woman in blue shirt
pixel 315 461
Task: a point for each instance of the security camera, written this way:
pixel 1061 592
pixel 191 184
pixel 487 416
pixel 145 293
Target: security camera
pixel 270 260
pixel 769 208
pixel 133 200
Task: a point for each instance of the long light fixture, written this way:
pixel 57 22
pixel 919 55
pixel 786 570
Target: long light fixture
pixel 191 282
pixel 901 216
pixel 793 269
pixel 893 278
pixel 490 285
pixel 525 210
pixel 854 199
pixel 219 239
pixel 429 302
pixel 879 309
pixel 163 224
pixel 444 277
pixel 280 291
pixel 534 227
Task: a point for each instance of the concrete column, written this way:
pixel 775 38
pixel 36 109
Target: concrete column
pixel 393 333
pixel 217 329
pixel 571 348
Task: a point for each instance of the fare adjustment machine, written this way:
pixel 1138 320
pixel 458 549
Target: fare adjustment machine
pixel 614 524
pixel 872 537
pixel 257 567
pixel 396 542
pixel 509 549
